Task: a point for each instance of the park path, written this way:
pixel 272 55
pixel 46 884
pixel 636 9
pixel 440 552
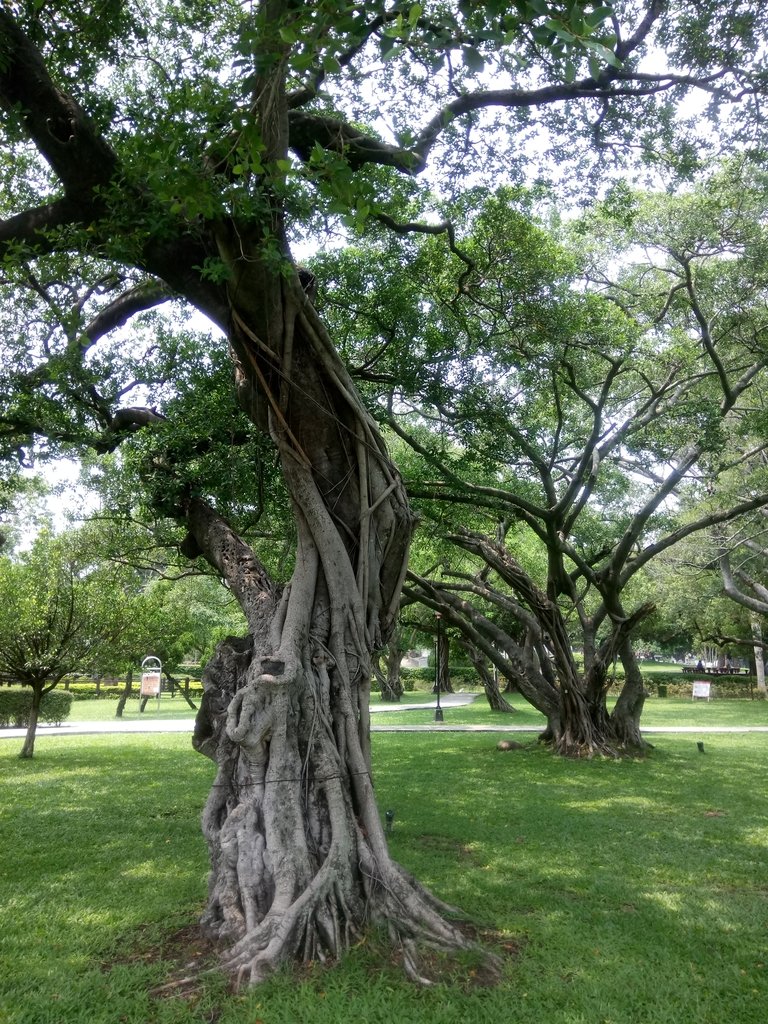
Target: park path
pixel 447 700
pixel 148 724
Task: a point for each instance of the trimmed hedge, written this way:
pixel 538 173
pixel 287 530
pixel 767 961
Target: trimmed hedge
pixel 16 705
pixel 87 691
pixel 680 684
pixel 424 678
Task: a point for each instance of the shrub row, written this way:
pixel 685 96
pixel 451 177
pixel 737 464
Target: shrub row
pixel 408 684
pixel 424 678
pixel 16 706
pixel 679 685
pixel 87 691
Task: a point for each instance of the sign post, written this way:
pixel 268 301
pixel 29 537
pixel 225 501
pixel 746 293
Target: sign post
pixel 151 675
pixel 701 688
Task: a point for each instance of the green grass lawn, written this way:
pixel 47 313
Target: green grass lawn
pixel 632 892
pixel 104 709
pixel 665 711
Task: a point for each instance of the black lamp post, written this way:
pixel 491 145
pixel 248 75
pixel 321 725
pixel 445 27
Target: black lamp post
pixel 438 658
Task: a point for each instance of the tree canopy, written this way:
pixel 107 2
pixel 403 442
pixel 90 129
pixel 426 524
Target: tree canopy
pixel 60 613
pixel 599 378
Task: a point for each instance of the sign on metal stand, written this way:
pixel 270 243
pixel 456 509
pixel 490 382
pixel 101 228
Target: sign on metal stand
pixel 701 688
pixel 151 674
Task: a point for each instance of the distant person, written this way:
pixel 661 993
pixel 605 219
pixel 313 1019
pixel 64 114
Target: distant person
pixel 699 665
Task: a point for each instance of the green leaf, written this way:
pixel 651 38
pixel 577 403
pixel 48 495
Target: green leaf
pixel 331 65
pixel 598 16
pixel 542 35
pixel 473 59
pixel 303 61
pixel 414 14
pixel 602 52
pixel 395 30
pixel 560 31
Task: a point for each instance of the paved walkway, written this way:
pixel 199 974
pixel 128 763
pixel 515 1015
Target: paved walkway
pixel 447 700
pixel 148 724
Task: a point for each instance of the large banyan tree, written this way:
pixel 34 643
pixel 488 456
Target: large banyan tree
pixel 571 417
pixel 164 152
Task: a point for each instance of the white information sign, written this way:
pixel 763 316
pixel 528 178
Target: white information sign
pixel 700 689
pixel 150 684
pixel 151 673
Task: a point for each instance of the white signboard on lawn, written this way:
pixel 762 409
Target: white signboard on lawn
pixel 700 689
pixel 150 684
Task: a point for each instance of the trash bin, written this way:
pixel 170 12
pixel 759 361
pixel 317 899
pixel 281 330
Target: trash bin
pixel 662 689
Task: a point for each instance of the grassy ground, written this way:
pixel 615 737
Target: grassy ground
pixel 665 711
pixel 626 893
pixel 658 711
pixel 104 710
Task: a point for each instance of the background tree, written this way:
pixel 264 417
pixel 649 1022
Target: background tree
pixel 59 613
pixel 618 402
pixel 160 151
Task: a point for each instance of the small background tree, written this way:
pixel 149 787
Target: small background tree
pixel 58 613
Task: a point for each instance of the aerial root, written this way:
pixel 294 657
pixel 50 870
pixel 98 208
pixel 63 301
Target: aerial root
pixel 410 964
pixel 321 928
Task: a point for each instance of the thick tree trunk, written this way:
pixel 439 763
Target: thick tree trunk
pixel 442 670
pixel 392 687
pixel 299 862
pixel 388 676
pixel 488 678
pixel 625 717
pixel 759 655
pixel 579 730
pixel 574 701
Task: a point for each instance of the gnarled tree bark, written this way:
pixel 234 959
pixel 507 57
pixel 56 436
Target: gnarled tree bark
pixel 299 860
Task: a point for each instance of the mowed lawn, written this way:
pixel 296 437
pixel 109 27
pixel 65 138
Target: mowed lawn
pixel 667 711
pixel 617 892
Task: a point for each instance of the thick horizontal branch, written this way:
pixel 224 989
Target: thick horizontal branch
pixel 59 127
pixel 732 590
pixel 704 523
pixel 135 300
pixel 335 135
pixel 729 640
pixel 31 226
pixel 606 89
